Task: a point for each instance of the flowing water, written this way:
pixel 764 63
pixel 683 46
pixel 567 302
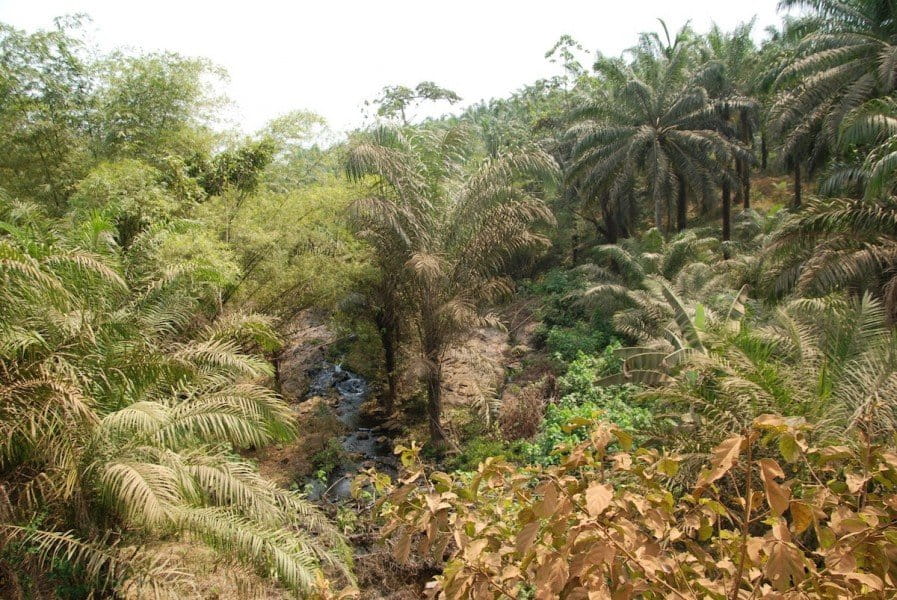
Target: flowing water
pixel 364 445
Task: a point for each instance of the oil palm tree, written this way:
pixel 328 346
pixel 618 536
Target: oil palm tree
pixel 837 244
pixel 851 58
pixel 447 221
pixel 121 411
pixel 871 132
pixel 830 360
pixel 638 283
pixel 728 75
pixel 652 125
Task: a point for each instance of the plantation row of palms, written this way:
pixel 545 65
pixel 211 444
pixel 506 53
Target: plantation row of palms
pixel 670 132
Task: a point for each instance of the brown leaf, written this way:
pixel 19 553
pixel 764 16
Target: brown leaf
pixel 526 537
pixel 598 498
pixel 723 459
pixel 403 547
pixel 776 496
pixel 801 516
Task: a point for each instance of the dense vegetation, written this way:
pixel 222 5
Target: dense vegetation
pixel 688 253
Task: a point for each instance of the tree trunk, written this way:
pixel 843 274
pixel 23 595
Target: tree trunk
pixel 275 361
pixel 681 207
pixel 727 214
pixel 387 327
pixel 798 191
pixel 739 189
pixel 434 403
pixel 744 166
pixel 611 229
pixel 764 151
pixel 389 355
pixel 611 226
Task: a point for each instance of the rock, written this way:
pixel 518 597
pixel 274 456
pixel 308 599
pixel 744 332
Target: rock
pixel 363 435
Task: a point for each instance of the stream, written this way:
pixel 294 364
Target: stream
pixel 364 443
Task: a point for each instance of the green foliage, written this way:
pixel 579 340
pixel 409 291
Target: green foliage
pixel 567 343
pixel 395 100
pixel 128 193
pixel 327 460
pixel 294 249
pixel 153 105
pixel 478 448
pixel 45 102
pixel 581 402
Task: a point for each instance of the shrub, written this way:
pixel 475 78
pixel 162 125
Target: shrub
pixel 582 400
pixel 522 414
pixel 800 522
pixel 565 343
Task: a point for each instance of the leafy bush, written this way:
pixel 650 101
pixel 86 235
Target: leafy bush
pixel 559 307
pixel 583 401
pixel 566 343
pixel 758 522
pixel 478 449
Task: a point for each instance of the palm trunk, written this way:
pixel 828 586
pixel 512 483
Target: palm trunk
pixel 764 151
pixel 744 166
pixel 275 361
pixel 389 356
pixel 681 207
pixel 727 214
pixel 434 403
pixel 611 227
pixel 739 189
pixel 387 327
pixel 798 191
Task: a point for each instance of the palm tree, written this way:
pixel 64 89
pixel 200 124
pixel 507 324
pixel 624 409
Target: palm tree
pixel 651 125
pixel 830 360
pixel 837 244
pixel 633 282
pixel 869 131
pixel 850 59
pixel 730 62
pixel 777 54
pixel 448 221
pixel 122 407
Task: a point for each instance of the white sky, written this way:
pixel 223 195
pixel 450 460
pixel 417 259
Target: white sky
pixel 328 56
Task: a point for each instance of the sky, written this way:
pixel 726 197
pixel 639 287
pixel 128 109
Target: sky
pixel 328 56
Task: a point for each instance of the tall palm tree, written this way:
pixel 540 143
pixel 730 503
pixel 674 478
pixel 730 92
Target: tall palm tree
pixel 447 221
pixel 728 75
pixel 850 59
pixel 651 125
pixel 121 411
pixel 777 53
